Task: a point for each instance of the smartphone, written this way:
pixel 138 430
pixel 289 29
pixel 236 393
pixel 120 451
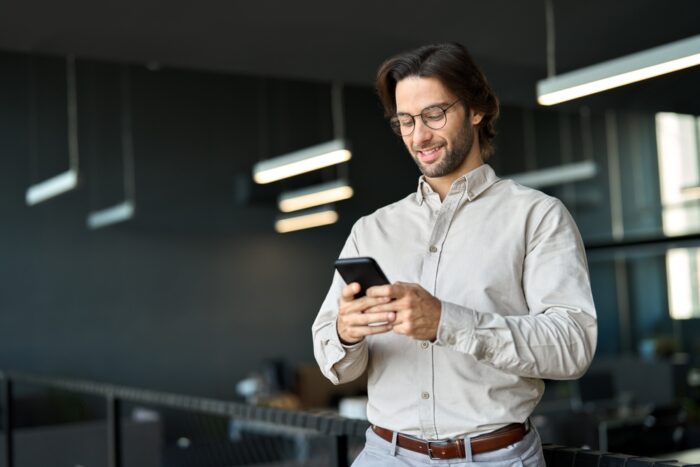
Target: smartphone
pixel 363 270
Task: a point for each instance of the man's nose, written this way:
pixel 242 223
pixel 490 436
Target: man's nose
pixel 421 132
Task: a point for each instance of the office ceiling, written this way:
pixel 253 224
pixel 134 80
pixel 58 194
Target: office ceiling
pixel 346 41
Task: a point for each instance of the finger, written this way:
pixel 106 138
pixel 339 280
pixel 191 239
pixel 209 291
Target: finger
pixel 387 290
pixel 370 330
pixel 379 329
pixel 349 291
pixel 360 305
pixel 368 319
pixel 388 305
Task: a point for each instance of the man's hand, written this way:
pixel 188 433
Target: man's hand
pixel 355 316
pixel 417 312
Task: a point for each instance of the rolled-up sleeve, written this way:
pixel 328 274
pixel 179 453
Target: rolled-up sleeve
pixel 338 362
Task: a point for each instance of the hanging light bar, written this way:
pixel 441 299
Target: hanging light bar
pixel 619 72
pixel 104 217
pixel 67 180
pixel 316 195
pixel 557 175
pixel 307 219
pixel 304 160
pixel 54 186
pixel 125 210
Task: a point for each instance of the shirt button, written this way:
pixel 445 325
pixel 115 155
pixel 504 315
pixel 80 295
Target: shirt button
pixel 425 395
pixel 424 345
pixel 433 248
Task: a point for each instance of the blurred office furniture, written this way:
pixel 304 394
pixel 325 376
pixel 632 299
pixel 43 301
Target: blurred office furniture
pixel 622 404
pixel 201 433
pixel 315 391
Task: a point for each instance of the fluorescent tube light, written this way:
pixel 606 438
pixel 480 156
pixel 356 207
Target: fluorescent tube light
pixel 304 160
pixel 316 195
pixel 619 72
pixel 54 186
pixel 118 213
pixel 306 220
pixel 557 175
pixel 691 192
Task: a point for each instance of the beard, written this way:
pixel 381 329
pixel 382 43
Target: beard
pixel 453 157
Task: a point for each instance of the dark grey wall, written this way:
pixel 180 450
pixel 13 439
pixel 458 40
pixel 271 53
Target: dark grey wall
pixel 198 290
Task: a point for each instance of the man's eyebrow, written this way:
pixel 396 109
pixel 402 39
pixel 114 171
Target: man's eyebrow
pixel 435 104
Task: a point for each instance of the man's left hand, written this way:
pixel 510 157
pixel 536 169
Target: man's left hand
pixel 417 311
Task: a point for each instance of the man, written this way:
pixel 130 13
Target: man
pixel 492 291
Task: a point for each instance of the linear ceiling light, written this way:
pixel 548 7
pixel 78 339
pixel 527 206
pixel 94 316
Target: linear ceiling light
pixel 619 72
pixel 68 180
pixel 125 210
pixel 304 160
pixel 307 219
pixel 54 186
pixel 557 175
pixel 118 213
pixel 316 195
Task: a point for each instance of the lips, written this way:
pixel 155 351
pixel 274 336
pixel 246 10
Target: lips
pixel 429 155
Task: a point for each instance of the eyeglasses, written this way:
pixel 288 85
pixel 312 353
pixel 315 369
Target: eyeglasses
pixel 434 117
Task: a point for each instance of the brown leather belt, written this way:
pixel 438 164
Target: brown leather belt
pixel 454 449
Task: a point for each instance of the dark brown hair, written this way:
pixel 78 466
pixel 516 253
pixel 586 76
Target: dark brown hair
pixel 456 70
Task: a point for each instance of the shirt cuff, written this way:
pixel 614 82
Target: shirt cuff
pixel 349 348
pixel 456 327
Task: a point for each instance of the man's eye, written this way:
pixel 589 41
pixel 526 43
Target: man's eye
pixel 405 121
pixel 433 114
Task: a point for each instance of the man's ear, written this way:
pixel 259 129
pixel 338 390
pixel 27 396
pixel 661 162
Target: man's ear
pixel 475 117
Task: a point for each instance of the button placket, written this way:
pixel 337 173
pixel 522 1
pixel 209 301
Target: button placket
pixel 443 218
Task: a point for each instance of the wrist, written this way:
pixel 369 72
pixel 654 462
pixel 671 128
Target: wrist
pixel 348 343
pixel 341 339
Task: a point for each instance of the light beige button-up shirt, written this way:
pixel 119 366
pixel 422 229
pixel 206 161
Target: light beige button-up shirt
pixel 509 267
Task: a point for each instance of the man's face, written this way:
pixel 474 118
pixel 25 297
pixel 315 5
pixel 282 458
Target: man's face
pixel 440 152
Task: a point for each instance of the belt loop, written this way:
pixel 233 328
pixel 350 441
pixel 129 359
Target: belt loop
pixel 394 438
pixel 468 448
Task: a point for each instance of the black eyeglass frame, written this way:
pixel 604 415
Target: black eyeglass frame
pixel 396 125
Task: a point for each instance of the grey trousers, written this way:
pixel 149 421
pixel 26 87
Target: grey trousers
pixel 380 453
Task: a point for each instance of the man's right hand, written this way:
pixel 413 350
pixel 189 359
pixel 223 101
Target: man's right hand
pixel 353 323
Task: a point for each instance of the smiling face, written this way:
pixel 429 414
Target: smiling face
pixel 446 153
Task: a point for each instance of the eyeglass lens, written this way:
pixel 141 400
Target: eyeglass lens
pixel 433 117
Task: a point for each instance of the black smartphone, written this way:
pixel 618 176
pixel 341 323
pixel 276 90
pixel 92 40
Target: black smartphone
pixel 363 270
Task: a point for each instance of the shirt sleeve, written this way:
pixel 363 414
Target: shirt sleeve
pixel 338 362
pixel 556 337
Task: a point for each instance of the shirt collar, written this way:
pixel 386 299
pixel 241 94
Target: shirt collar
pixel 474 183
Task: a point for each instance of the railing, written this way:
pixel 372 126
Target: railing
pixel 561 456
pixel 337 429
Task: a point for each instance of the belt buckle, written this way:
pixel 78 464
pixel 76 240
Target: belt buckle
pixel 430 448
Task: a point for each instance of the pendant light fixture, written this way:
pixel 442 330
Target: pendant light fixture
pixel 68 180
pixel 615 73
pixel 315 195
pixel 307 219
pixel 302 161
pixel 322 194
pixel 125 210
